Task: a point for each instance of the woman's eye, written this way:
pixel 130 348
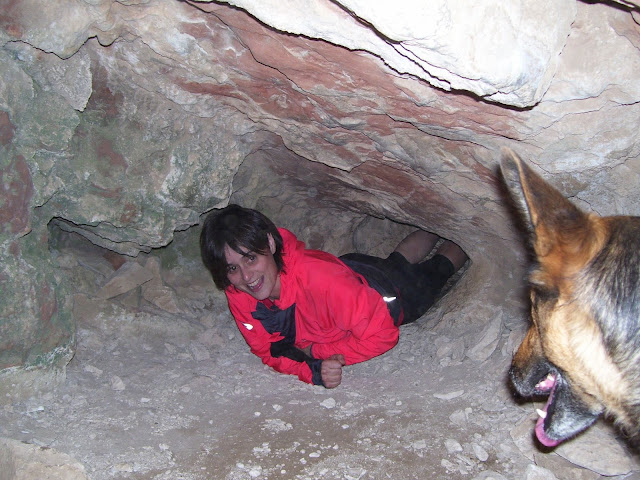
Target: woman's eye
pixel 251 258
pixel 231 269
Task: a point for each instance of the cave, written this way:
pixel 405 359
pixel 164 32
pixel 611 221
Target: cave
pixel 352 123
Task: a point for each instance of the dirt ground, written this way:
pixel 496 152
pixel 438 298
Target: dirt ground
pixel 154 394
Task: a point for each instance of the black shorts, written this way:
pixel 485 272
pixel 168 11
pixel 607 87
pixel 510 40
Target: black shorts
pixel 415 286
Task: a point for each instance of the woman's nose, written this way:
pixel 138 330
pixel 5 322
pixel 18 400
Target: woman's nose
pixel 246 273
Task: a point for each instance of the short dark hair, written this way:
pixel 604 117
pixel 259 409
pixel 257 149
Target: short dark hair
pixel 239 228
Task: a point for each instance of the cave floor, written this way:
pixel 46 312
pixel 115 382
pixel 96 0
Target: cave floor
pixel 152 395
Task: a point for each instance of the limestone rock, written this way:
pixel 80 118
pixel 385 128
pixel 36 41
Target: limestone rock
pixel 443 42
pixel 156 292
pixel 598 450
pixel 23 461
pixel 488 340
pixel 535 472
pixel 131 275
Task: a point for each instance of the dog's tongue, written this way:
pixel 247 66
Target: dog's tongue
pixel 542 437
pixel 540 433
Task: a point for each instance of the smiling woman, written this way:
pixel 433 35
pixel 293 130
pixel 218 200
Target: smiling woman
pixel 254 273
pixel 236 232
pixel 308 313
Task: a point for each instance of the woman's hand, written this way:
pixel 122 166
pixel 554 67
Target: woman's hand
pixel 331 370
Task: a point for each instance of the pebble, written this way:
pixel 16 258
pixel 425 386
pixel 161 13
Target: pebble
pixel 328 403
pixel 489 339
pixel 419 445
pixel 448 465
pixel 489 475
pixel 199 351
pixel 460 417
pixel 255 472
pixel 452 446
pixel 480 453
pixel 535 472
pixel 354 473
pixel 93 370
pixel 449 396
pixel 123 467
pixel 117 384
pixel 36 409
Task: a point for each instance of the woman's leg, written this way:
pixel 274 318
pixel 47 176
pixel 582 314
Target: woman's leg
pixel 417 245
pixel 454 253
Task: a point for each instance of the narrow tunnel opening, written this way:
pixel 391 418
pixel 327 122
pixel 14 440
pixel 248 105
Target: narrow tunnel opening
pixel 320 207
pixel 161 280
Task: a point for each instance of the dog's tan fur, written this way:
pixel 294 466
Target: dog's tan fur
pixel 565 334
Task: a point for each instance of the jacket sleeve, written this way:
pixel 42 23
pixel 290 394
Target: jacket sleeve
pixel 359 312
pixel 260 341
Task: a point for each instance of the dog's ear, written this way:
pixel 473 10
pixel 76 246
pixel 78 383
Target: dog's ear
pixel 563 236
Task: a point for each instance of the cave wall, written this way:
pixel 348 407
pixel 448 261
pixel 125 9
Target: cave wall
pixel 125 121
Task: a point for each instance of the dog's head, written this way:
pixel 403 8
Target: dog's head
pixel 565 355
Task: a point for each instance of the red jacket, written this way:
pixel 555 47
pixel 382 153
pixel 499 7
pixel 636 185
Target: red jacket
pixel 335 311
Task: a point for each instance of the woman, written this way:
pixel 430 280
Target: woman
pixel 308 313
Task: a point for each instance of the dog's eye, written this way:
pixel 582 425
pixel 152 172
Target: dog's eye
pixel 542 301
pixel 541 287
pixel 543 295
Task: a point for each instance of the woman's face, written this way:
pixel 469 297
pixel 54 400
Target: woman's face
pixel 254 273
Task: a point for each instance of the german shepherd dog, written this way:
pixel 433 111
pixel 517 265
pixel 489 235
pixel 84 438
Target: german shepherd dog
pixel 583 347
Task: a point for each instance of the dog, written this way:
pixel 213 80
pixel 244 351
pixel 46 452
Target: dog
pixel 583 347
